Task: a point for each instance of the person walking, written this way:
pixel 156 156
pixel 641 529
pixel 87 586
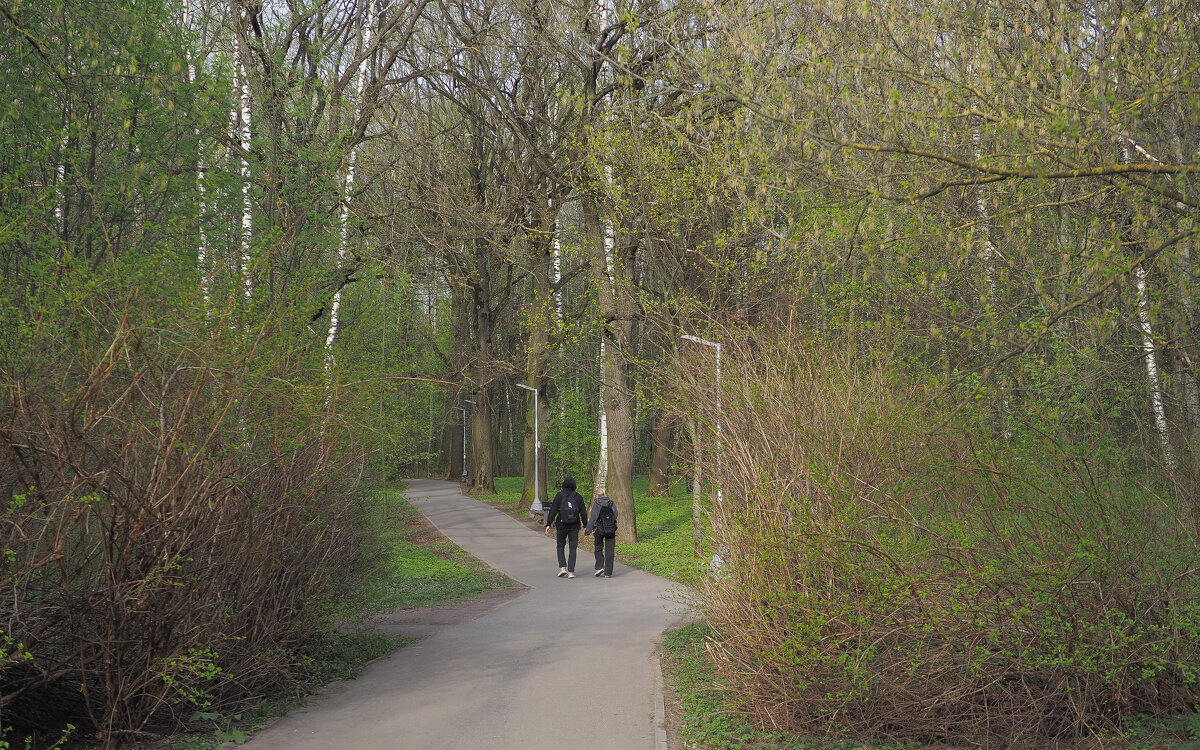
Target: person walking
pixel 603 522
pixel 566 513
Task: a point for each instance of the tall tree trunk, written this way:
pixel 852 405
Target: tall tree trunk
pixel 614 297
pixel 1157 405
pixel 697 484
pixel 660 454
pixel 481 453
pixel 201 189
pixel 482 479
pixel 452 447
pixel 600 481
pixel 240 125
pixel 542 310
pixel 348 186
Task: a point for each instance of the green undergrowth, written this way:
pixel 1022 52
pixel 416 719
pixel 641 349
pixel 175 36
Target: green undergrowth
pixel 710 721
pixel 421 568
pixel 664 526
pixel 408 565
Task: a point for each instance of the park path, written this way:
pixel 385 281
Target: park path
pixel 566 663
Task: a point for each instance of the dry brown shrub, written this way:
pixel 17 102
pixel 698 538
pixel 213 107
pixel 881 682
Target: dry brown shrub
pixel 175 513
pixel 890 571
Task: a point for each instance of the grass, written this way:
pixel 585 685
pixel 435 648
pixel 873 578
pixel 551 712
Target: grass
pixel 420 567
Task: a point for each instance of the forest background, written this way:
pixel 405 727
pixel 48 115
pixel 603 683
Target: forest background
pixel 258 257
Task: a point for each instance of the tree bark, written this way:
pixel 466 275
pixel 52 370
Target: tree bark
pixel 660 454
pixel 481 456
pixel 613 295
pixel 482 479
pixel 541 310
pixel 697 486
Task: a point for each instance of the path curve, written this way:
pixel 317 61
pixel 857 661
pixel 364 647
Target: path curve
pixel 566 663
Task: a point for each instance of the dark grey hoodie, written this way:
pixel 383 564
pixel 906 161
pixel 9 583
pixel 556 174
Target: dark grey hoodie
pixel 597 504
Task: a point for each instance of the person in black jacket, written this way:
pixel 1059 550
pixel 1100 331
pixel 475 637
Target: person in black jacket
pixel 606 534
pixel 567 509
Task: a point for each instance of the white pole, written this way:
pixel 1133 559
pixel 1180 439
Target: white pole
pixel 536 507
pixel 717 560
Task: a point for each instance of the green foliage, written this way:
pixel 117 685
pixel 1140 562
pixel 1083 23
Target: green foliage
pixel 711 719
pixel 571 441
pixel 411 568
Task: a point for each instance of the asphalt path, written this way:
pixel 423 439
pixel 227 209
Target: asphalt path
pixel 566 663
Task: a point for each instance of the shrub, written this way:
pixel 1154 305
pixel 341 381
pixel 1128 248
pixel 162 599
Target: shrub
pixel 175 505
pixel 891 571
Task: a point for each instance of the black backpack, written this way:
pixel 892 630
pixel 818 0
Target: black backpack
pixel 569 508
pixel 606 522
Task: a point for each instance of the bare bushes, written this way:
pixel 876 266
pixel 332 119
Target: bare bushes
pixel 891 573
pixel 174 508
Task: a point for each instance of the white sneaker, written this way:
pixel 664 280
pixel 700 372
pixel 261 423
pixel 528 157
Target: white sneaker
pixel 562 572
pixel 570 575
pixel 599 572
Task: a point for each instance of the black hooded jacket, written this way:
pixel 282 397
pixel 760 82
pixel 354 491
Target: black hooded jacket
pixel 566 496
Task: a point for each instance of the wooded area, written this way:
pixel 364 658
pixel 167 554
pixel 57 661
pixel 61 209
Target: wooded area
pixel 258 257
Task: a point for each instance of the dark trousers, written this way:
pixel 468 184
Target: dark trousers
pixel 604 553
pixel 569 534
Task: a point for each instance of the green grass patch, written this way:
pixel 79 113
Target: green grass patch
pixel 420 568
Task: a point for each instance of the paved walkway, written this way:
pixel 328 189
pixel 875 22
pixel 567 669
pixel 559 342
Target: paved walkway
pixel 567 663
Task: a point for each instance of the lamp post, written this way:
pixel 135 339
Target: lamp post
pixel 464 441
pixel 717 560
pixel 715 345
pixel 537 444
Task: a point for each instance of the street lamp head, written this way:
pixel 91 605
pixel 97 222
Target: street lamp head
pixel 527 387
pixel 698 340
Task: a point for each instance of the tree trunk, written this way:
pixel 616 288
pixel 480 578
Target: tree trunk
pixel 480 453
pixel 240 125
pixel 613 294
pixel 348 194
pixel 697 487
pixel 660 454
pixel 482 479
pixel 1157 404
pixel 541 310
pixel 600 481
pixel 452 449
